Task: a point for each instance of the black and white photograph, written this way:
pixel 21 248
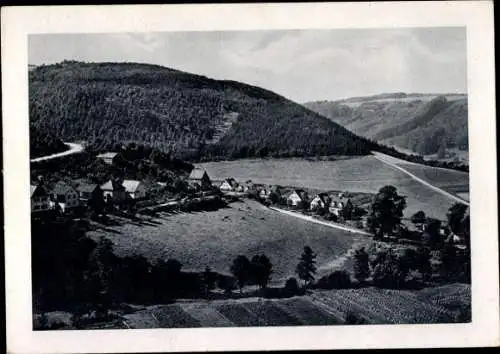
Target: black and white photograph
pixel 241 178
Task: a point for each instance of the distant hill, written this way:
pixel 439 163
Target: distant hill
pixel 190 116
pixel 419 123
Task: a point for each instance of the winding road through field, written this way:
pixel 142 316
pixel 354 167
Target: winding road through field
pixel 389 160
pixel 74 148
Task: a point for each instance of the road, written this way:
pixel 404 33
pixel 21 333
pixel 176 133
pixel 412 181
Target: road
pixel 73 149
pixel 389 160
pixel 326 223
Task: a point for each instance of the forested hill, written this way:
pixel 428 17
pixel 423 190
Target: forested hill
pixel 190 116
pixel 422 123
pixel 44 144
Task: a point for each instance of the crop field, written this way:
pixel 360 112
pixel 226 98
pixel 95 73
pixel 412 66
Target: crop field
pixel 327 307
pixel 215 238
pixel 357 174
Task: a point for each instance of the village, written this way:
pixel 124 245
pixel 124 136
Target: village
pixel 80 198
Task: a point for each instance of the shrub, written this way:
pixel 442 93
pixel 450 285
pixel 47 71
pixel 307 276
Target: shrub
pixel 352 318
pixel 361 265
pixel 292 286
pixel 388 271
pixel 339 279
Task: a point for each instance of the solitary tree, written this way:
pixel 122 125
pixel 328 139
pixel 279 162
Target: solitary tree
pixel 261 269
pixel 241 270
pixel 361 265
pixel 387 211
pixel 306 268
pixel 209 280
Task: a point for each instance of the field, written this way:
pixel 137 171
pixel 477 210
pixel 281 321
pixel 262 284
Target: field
pixel 328 307
pixel 359 174
pixel 215 238
pixel 455 182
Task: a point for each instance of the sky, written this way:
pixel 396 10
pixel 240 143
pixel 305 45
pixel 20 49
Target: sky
pixel 302 65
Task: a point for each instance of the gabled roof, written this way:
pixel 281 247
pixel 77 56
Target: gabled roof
pixel 86 187
pixel 323 197
pixel 111 186
pixel 197 173
pixel 32 190
pixel 299 192
pixel 232 182
pixel 62 188
pixel 107 155
pixel 131 185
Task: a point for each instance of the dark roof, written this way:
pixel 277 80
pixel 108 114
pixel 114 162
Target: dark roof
pixel 86 187
pixel 62 187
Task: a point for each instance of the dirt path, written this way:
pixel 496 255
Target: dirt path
pixel 326 223
pixel 73 149
pixel 387 160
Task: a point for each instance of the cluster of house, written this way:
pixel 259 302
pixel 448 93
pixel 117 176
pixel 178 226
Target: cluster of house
pixel 333 203
pixel 67 196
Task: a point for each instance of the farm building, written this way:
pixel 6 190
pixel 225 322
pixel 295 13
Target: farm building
pixel 338 203
pixel 114 190
pixel 64 196
pixel 40 199
pixel 199 178
pixel 108 157
pixel 134 189
pixel 89 192
pixel 320 201
pixel 296 197
pixel 229 185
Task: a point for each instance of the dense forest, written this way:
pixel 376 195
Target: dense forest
pixel 422 123
pixel 44 144
pixel 132 162
pixel 190 116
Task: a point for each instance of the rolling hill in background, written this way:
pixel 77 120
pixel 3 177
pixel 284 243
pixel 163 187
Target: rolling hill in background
pixel 190 116
pixel 414 123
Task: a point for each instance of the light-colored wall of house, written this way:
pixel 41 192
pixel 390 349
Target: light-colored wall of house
pixel 317 203
pixel 226 187
pixel 294 199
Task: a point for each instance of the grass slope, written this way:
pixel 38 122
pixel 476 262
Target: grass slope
pixel 359 174
pixel 190 115
pixel 215 238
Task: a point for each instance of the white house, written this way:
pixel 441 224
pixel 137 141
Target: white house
pixel 40 199
pixel 229 185
pixel 114 190
pixel 320 201
pixel 338 203
pixel 108 157
pixel 65 196
pixel 134 189
pixel 296 197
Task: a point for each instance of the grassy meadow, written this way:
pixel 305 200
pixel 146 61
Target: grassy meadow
pixel 215 238
pixel 357 174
